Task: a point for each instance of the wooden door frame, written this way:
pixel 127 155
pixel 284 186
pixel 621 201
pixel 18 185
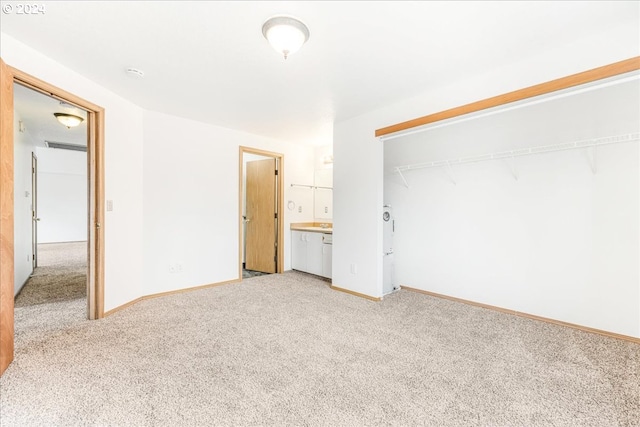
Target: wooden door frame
pixel 95 199
pixel 280 204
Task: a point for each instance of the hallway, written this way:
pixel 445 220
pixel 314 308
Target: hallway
pixel 61 276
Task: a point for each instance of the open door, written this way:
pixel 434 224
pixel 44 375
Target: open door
pixel 261 216
pixel 95 166
pixel 6 216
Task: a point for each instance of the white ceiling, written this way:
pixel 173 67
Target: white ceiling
pixel 208 60
pixel 35 110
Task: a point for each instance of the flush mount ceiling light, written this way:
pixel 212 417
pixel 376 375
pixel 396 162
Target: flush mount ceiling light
pixel 285 34
pixel 69 120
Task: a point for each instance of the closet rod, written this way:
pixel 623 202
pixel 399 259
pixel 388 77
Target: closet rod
pixel 589 143
pixel 312 186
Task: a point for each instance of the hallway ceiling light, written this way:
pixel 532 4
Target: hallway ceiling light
pixel 69 120
pixel 285 34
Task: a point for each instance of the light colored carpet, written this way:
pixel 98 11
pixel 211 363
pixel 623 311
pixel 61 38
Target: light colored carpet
pixel 61 275
pixel 284 349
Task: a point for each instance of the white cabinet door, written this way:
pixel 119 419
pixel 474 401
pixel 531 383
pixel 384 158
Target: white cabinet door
pixel 310 254
pixel 298 251
pixel 314 253
pixel 327 259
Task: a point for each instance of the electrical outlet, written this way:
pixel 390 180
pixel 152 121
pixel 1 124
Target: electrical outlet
pixel 299 209
pixel 109 205
pixel 326 209
pixel 172 268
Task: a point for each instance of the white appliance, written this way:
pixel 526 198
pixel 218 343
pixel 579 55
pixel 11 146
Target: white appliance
pixel 327 257
pixel 388 273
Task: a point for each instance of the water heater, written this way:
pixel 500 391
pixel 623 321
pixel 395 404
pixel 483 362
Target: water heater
pixel 388 273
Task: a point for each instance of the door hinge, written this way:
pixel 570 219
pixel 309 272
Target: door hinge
pixel 33 257
pixel 276 215
pixel 276 172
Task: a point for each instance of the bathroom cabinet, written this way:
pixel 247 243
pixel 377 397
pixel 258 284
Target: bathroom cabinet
pixel 310 254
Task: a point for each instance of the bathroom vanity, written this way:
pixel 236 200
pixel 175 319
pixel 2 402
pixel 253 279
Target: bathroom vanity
pixel 311 248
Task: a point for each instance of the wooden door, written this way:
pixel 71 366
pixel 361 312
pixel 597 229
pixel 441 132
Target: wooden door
pixel 6 216
pixel 261 216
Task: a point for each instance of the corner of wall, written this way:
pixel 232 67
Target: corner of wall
pixel 358 200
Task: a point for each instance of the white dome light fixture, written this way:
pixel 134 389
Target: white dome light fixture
pixel 285 34
pixel 69 120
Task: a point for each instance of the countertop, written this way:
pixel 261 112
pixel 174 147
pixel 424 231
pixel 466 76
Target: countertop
pixel 313 227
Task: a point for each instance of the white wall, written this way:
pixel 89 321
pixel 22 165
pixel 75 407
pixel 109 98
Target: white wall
pixel 123 167
pixel 560 242
pixel 322 151
pixel 23 251
pixel 191 191
pixel 358 171
pixel 62 195
pixel 357 207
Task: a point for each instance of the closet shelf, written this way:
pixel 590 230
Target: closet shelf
pixel 312 186
pixel 510 154
pixel 589 143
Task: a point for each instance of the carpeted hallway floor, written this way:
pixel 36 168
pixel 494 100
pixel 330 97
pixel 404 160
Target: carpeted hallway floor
pixel 284 349
pixel 61 275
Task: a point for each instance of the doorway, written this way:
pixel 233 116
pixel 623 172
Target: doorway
pixel 261 224
pixel 95 209
pixel 52 219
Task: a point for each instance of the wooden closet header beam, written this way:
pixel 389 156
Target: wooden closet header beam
pixel 626 66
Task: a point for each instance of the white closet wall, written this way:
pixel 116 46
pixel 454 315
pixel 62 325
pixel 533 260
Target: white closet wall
pixel 553 234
